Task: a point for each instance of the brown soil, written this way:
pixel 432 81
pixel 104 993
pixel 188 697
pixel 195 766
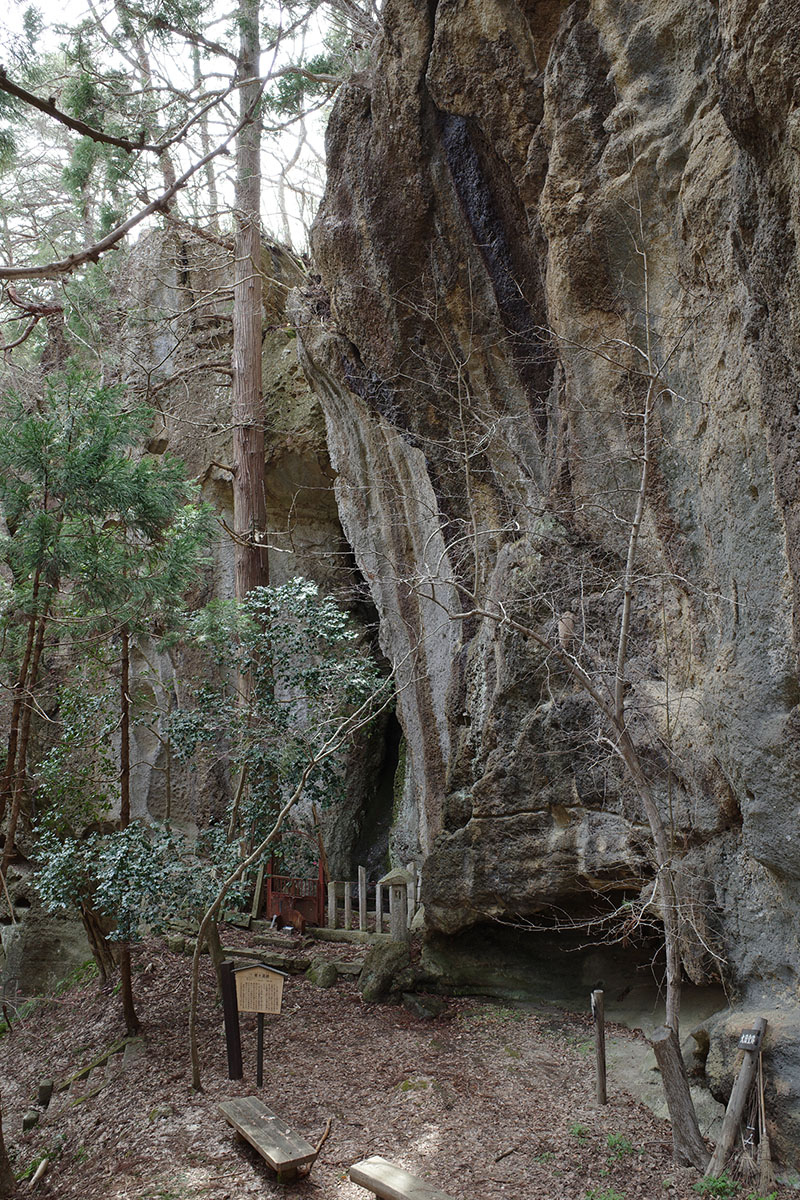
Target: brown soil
pixel 486 1100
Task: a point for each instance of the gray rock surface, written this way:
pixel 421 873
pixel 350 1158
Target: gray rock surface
pixel 523 203
pixel 40 949
pixel 322 973
pixel 386 970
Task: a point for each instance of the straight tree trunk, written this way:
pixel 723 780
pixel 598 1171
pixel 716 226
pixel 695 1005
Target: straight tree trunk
pixel 688 1146
pixel 7 1183
pixel 249 492
pixel 126 991
pixel 20 687
pixel 22 746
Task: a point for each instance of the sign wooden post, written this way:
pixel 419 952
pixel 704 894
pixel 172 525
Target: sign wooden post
pixel 750 1041
pixel 260 1051
pixel 259 989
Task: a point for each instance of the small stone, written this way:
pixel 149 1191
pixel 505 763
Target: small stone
pixel 384 966
pixel 176 943
pixel 44 1093
pixel 424 1007
pixel 30 1119
pixel 160 1112
pixel 131 1052
pixel 321 973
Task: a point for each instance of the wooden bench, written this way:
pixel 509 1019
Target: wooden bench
pixel 284 1150
pixel 391 1182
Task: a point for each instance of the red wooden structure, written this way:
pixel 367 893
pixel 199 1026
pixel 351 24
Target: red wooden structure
pixel 291 893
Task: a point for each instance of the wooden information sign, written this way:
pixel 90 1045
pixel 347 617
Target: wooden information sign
pixel 259 989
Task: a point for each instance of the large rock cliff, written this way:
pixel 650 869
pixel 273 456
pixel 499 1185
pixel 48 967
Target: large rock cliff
pixel 530 208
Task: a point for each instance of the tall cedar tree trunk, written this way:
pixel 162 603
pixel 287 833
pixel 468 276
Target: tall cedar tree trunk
pixel 22 746
pixel 128 1011
pixel 249 492
pixel 20 687
pixel 6 1173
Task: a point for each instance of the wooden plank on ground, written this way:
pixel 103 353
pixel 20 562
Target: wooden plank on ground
pixel 282 1148
pixel 391 1182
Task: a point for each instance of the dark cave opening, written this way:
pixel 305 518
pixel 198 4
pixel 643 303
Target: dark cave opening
pixel 371 843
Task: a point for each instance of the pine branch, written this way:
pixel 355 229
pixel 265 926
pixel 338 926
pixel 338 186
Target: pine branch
pixel 49 107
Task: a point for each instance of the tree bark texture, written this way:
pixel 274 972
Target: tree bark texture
pixel 16 708
pixel 7 1183
pixel 249 493
pixel 22 746
pixel 688 1146
pixel 103 951
pixel 126 991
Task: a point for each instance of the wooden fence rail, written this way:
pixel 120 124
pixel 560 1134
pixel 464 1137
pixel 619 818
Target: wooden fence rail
pixel 371 906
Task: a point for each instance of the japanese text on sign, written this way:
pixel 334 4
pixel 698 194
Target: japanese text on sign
pixel 259 990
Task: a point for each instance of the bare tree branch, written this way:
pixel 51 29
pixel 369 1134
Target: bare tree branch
pixel 49 107
pixel 92 253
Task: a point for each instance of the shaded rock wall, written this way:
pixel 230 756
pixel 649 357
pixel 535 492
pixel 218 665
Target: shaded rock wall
pixel 181 286
pixel 174 349
pixel 523 199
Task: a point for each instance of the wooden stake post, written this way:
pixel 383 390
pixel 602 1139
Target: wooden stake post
pixel 750 1042
pixel 598 1013
pixel 233 1041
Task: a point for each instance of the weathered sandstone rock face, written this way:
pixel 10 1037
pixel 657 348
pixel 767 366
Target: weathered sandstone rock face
pixel 525 200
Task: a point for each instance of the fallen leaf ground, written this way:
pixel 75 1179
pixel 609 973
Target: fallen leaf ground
pixel 485 1101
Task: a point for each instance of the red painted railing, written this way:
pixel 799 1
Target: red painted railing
pixel 292 893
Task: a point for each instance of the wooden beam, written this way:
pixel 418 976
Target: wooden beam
pixel 392 1182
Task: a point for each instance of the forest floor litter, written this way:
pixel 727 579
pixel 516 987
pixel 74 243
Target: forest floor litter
pixel 487 1101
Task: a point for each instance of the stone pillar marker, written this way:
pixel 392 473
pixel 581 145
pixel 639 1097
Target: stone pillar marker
pixel 362 897
pixel 412 891
pixel 397 882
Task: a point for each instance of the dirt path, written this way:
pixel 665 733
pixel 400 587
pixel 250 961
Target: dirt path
pixel 486 1101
